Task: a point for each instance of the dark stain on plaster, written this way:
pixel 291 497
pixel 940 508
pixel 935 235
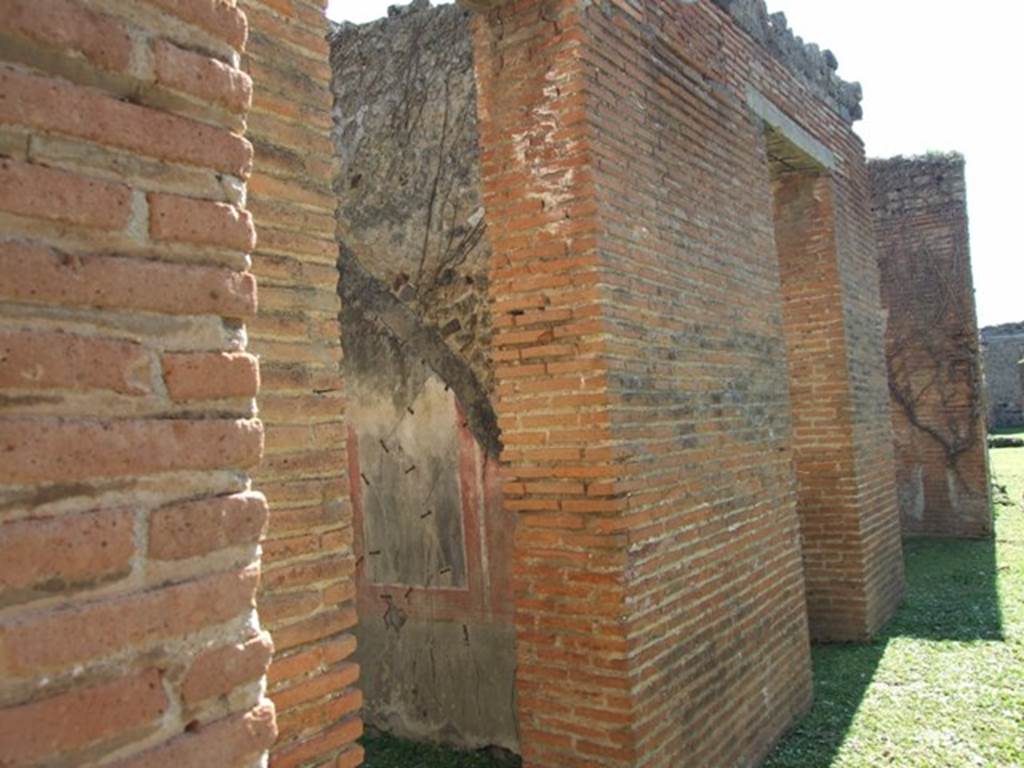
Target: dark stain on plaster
pixel 414 256
pixel 382 339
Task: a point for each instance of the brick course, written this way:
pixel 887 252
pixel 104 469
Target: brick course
pixel 108 295
pixel 308 562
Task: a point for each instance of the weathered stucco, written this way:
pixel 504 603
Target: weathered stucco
pixel 436 639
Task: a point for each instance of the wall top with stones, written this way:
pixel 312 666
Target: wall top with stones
pixel 815 66
pixel 999 331
pixel 929 181
pixel 394 12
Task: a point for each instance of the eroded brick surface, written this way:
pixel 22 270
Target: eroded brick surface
pixel 123 241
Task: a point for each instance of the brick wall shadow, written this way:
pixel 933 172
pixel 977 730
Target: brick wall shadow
pixel 952 596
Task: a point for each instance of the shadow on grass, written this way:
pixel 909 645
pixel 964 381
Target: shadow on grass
pixel 952 595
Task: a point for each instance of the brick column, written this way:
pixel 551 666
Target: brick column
pixel 573 691
pixel 840 602
pixel 128 536
pixel 934 362
pixel 659 595
pixel 306 596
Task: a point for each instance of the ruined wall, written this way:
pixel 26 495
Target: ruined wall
pixel 646 423
pixel 128 541
pixel 307 596
pixel 1002 348
pixel 432 539
pixel 920 209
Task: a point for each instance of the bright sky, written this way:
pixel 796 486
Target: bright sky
pixel 937 76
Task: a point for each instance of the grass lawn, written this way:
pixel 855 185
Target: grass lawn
pixel 943 687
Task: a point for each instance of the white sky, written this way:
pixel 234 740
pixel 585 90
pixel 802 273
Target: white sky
pixel 937 75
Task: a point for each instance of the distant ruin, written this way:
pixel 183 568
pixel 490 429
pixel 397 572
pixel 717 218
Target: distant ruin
pixel 561 420
pixel 1002 351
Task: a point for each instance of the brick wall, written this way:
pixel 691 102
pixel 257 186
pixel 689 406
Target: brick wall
pixel 717 625
pixel 920 208
pixel 128 541
pixel 306 593
pixel 800 82
pixel 645 405
pixel 1002 347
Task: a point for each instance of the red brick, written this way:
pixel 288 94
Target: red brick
pixel 221 670
pixel 322 684
pixel 70 721
pixel 112 280
pixel 52 450
pixel 211 375
pixel 225 742
pixel 65 551
pixel 202 77
pixel 278 607
pixel 200 527
pixel 290 193
pixel 285 7
pixel 67 26
pixel 351 758
pixel 218 17
pixel 43 193
pixel 319 714
pixel 54 640
pixel 344 591
pixel 270 188
pixel 309 572
pixel 312 660
pixel 200 222
pixel 288 29
pixel 54 105
pixel 345 732
pixel 39 274
pixel 39 360
pixel 316 627
pixel 920 209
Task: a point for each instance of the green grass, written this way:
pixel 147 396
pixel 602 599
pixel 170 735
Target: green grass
pixel 943 687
